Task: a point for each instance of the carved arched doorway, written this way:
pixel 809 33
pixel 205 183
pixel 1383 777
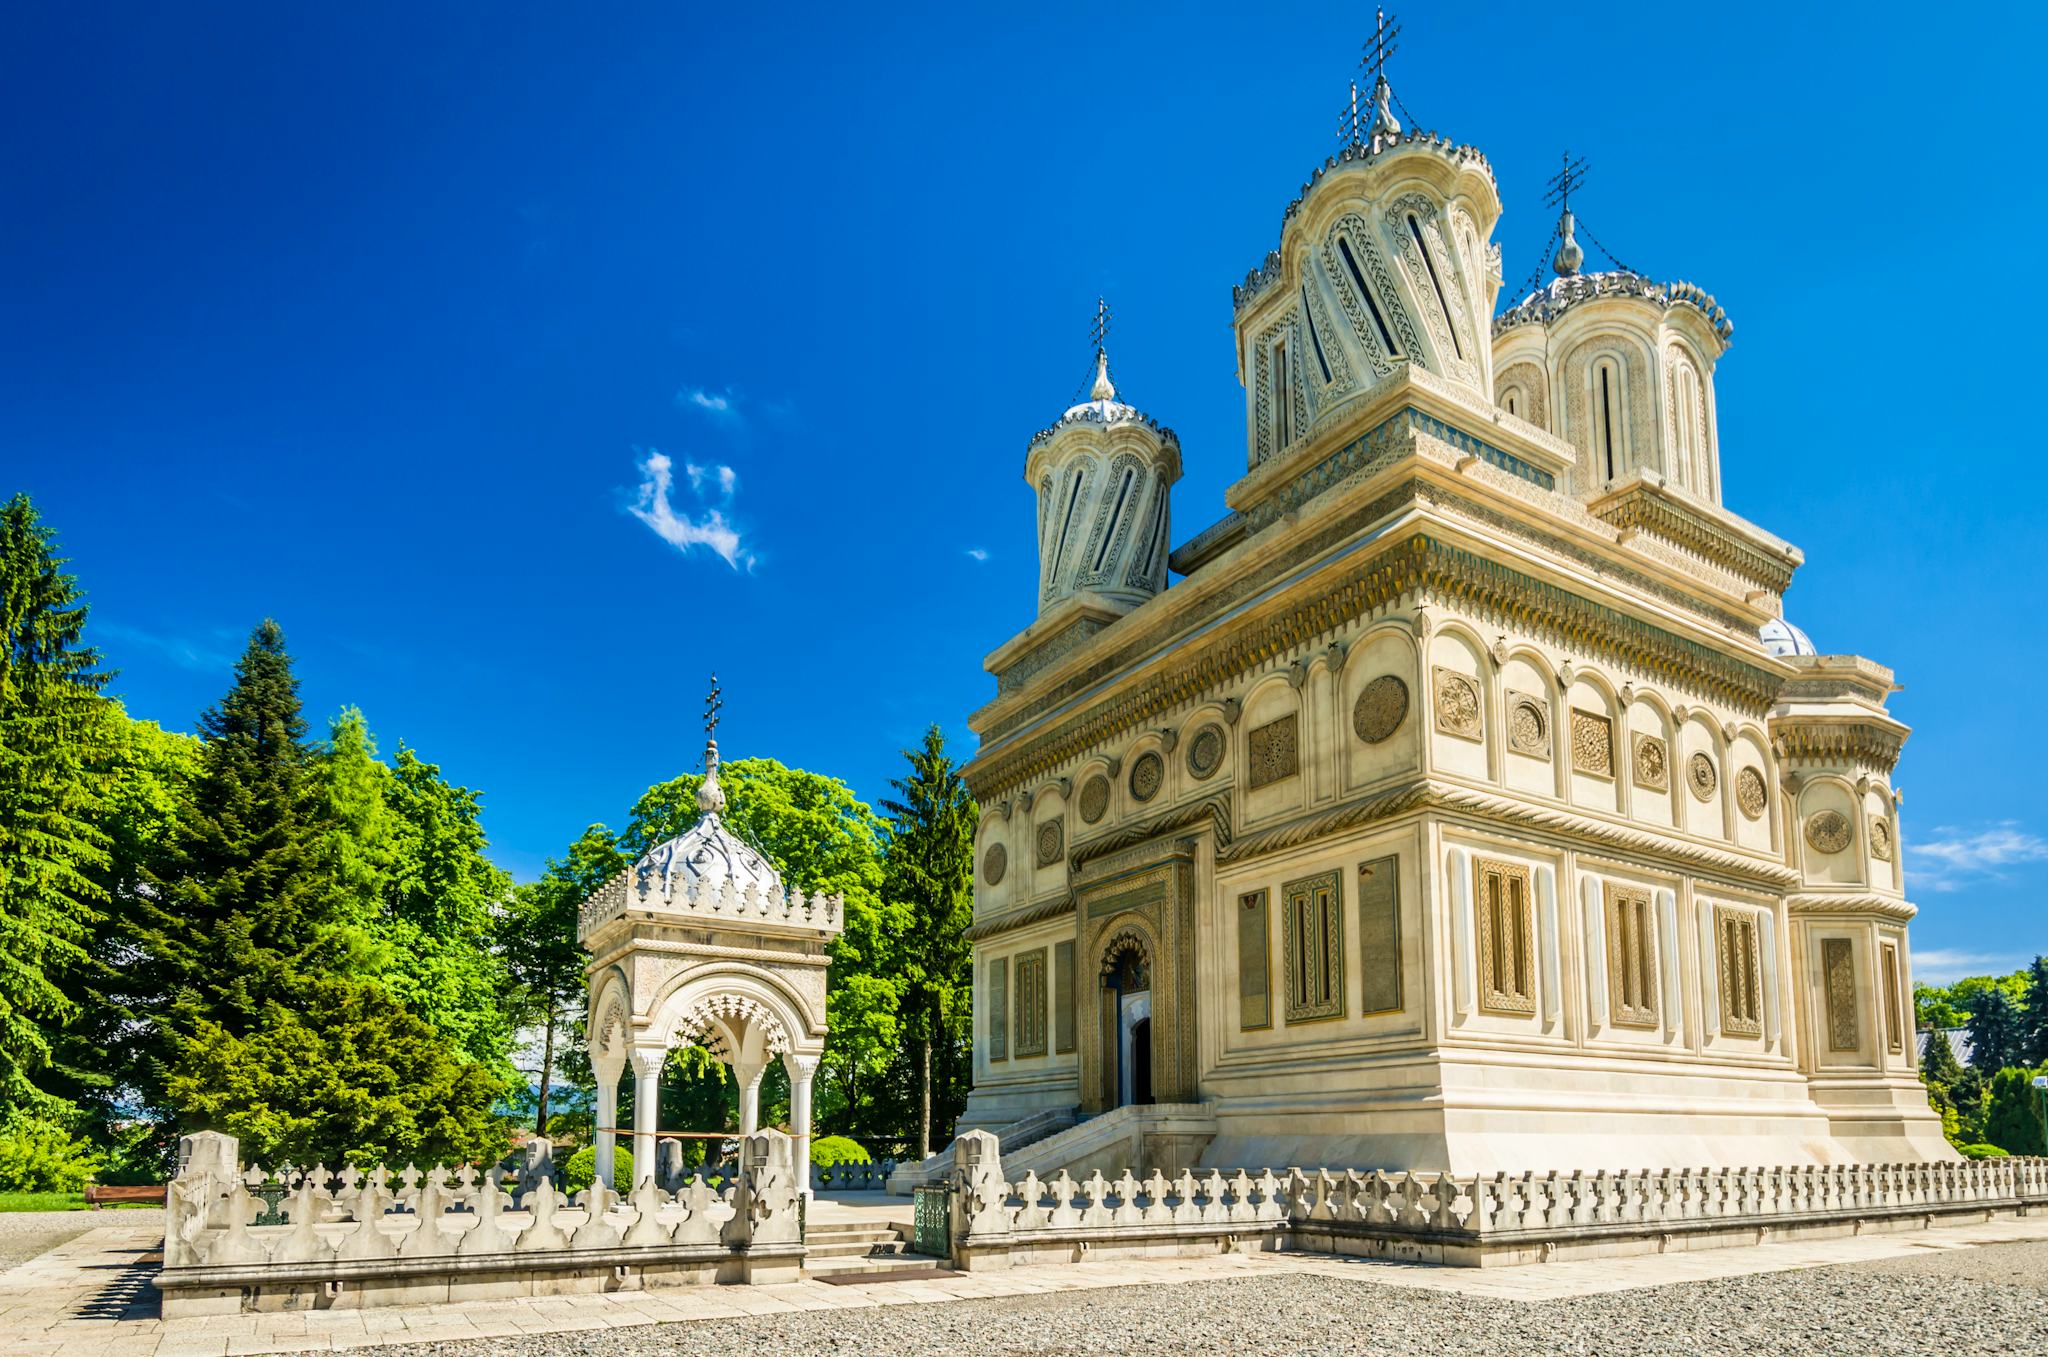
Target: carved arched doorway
pixel 1127 979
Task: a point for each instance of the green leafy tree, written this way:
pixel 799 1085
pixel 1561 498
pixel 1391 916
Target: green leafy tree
pixel 1994 1030
pixel 1934 1009
pixel 2013 1114
pixel 930 868
pixel 53 846
pixel 537 945
pixel 1939 1067
pixel 2034 1015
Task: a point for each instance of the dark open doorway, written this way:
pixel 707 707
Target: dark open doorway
pixel 1141 1061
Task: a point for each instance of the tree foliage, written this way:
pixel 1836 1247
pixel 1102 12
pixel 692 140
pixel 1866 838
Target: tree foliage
pixel 2013 1114
pixel 535 939
pixel 1994 1029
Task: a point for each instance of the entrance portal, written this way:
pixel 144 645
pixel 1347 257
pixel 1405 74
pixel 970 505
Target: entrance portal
pixel 1130 980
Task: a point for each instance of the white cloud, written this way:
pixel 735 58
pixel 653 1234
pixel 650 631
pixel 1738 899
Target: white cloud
pixel 717 404
pixel 179 651
pixel 1945 965
pixel 711 528
pixel 978 553
pixel 1954 857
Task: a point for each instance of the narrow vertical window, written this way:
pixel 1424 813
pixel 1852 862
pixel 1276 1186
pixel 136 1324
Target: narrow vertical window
pixel 1067 521
pixel 1632 945
pixel 1507 979
pixel 1283 398
pixel 1365 294
pixel 1894 1017
pixel 1608 394
pixel 1450 323
pixel 1123 493
pixel 1315 338
pixel 1741 973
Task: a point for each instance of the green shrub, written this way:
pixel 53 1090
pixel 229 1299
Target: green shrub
pixel 831 1151
pixel 581 1170
pixel 39 1155
pixel 2012 1116
pixel 1981 1152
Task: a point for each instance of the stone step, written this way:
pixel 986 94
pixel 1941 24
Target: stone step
pixel 849 1228
pixel 853 1248
pixel 879 1266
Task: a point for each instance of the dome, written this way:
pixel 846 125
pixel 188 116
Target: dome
pixel 707 854
pixel 1102 408
pixel 1782 639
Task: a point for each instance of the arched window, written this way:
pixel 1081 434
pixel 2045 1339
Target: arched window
pixel 1609 400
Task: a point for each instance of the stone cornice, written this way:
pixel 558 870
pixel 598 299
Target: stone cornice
pixel 1647 505
pixel 1015 919
pixel 674 947
pixel 1872 742
pixel 1213 809
pixel 1851 902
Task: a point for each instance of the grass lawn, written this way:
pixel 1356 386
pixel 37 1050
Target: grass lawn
pixel 42 1201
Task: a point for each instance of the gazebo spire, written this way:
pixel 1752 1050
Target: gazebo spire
pixel 711 796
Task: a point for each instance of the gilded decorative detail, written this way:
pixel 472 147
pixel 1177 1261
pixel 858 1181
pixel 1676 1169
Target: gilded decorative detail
pixel 1148 773
pixel 1507 938
pixel 1381 708
pixel 1457 704
pixel 1094 799
pixel 1704 778
pixel 1880 838
pixel 1592 743
pixel 1205 751
pixel 1741 968
pixel 1275 751
pixel 994 863
pixel 1828 831
pixel 1751 797
pixel 1652 763
pixel 1528 726
pixel 1838 969
pixel 1052 836
pixel 1312 932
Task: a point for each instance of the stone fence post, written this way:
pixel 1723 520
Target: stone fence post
pixel 981 1214
pixel 765 1227
pixel 209 1167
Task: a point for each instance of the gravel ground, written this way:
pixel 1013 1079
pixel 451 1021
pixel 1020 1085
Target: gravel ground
pixel 24 1234
pixel 1982 1300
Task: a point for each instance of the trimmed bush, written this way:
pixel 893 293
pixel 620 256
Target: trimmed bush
pixel 832 1151
pixel 581 1170
pixel 39 1155
pixel 1982 1152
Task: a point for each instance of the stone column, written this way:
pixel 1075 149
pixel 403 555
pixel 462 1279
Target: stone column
pixel 607 1138
pixel 647 1063
pixel 749 1077
pixel 802 1069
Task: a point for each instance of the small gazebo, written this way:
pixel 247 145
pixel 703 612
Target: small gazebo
pixel 700 942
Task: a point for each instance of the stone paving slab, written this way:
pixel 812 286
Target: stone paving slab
pixel 90 1297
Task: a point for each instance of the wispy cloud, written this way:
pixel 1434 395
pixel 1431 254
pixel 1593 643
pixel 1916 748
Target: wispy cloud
pixel 720 405
pixel 1946 965
pixel 980 554
pixel 1955 857
pixel 654 505
pixel 179 650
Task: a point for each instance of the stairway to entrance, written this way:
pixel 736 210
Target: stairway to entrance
pixel 862 1249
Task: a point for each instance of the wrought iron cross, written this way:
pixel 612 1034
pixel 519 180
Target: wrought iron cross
pixel 712 703
pixel 1381 48
pixel 1567 181
pixel 1372 66
pixel 1100 330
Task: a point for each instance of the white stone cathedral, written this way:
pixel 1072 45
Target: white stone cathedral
pixel 1467 803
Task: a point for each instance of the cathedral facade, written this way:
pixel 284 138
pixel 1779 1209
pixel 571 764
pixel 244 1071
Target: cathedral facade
pixel 1467 803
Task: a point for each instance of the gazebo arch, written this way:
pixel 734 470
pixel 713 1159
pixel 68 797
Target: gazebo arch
pixel 700 942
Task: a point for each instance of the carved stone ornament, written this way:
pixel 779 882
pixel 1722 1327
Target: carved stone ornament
pixel 1827 831
pixel 1205 751
pixel 1148 774
pixel 1651 763
pixel 1052 836
pixel 1880 838
pixel 1094 798
pixel 1750 795
pixel 994 863
pixel 1701 776
pixel 1592 743
pixel 1528 726
pixel 1457 704
pixel 1381 708
pixel 1274 751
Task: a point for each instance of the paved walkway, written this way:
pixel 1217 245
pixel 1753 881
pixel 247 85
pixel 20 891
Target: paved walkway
pixel 93 1297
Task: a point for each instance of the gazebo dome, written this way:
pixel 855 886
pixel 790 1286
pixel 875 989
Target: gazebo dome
pixel 708 854
pixel 1781 638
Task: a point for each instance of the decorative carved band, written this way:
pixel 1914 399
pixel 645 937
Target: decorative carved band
pixel 1858 903
pixel 1019 918
pixel 1859 742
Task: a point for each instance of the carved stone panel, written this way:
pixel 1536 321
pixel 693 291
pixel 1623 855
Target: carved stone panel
pixel 1379 934
pixel 999 1009
pixel 1205 752
pixel 1052 837
pixel 1651 763
pixel 1148 774
pixel 1880 838
pixel 1827 831
pixel 1838 972
pixel 1275 751
pixel 1254 964
pixel 1063 997
pixel 1528 725
pixel 994 863
pixel 1592 743
pixel 1457 705
pixel 1094 799
pixel 1702 777
pixel 1031 1004
pixel 1312 952
pixel 1381 708
pixel 1751 797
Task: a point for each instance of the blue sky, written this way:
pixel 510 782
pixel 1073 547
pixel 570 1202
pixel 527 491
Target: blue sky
pixel 527 362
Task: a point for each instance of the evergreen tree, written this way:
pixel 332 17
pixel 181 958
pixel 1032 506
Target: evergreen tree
pixel 2012 1118
pixel 929 866
pixel 538 946
pixel 52 847
pixel 1994 1031
pixel 1939 1068
pixel 2034 1015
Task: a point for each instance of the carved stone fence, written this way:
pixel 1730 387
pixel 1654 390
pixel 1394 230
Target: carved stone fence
pixel 256 1239
pixel 853 1177
pixel 1486 1220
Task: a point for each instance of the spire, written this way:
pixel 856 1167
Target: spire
pixel 1569 255
pixel 711 796
pixel 1376 126
pixel 1103 390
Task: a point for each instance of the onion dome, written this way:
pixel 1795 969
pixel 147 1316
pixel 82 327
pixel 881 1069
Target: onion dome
pixel 1782 639
pixel 708 854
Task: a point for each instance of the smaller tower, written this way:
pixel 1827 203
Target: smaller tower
pixel 1104 474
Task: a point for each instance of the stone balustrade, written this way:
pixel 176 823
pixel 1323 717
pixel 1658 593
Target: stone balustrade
pixel 1478 1220
pixel 259 1239
pixel 853 1177
pixel 648 890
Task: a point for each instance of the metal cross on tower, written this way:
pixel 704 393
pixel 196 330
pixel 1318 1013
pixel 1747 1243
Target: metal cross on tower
pixel 1100 330
pixel 1566 182
pixel 712 702
pixel 1356 122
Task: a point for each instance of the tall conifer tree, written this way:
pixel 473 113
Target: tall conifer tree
pixel 51 846
pixel 2034 1015
pixel 1994 1031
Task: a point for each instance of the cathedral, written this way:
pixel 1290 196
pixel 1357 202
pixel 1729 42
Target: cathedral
pixel 1467 802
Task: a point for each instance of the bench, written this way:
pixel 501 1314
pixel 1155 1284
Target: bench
pixel 97 1196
